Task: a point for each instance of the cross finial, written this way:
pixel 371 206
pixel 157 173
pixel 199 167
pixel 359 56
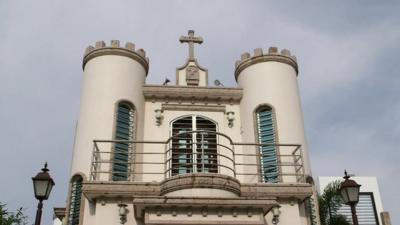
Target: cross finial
pixel 191 39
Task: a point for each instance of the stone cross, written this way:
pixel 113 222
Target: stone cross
pixel 191 39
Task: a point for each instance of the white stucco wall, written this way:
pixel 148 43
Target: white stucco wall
pixel 107 80
pixel 57 221
pixel 274 84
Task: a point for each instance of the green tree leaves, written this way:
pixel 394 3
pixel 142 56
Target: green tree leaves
pixel 12 218
pixel 329 203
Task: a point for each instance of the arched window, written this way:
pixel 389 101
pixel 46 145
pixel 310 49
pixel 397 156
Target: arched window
pixel 194 146
pixel 267 135
pixel 124 131
pixel 75 200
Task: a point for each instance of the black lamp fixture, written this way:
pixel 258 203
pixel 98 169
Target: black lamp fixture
pixel 42 185
pixel 350 192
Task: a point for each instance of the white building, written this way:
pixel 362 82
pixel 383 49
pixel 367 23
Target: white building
pixel 369 207
pixel 189 153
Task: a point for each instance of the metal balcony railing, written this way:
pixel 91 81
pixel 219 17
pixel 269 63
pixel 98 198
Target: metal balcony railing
pixel 198 151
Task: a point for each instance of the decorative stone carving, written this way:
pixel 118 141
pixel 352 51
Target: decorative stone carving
pixel 219 212
pixel 189 211
pixel 204 211
pixel 191 73
pixel 192 76
pixel 173 213
pixel 158 211
pixel 234 212
pixel 249 212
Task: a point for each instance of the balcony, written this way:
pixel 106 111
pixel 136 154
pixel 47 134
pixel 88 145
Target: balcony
pixel 196 165
pixel 196 152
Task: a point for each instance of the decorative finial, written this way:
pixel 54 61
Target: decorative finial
pixel 44 169
pixel 346 176
pixel 191 39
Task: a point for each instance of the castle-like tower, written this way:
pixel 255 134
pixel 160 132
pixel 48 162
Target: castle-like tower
pixel 189 153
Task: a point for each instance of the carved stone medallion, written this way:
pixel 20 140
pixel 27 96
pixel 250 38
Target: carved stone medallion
pixel 192 75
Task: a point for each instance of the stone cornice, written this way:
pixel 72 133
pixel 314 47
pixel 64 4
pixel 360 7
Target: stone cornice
pixel 110 189
pixel 152 92
pixel 203 201
pixel 101 49
pixel 280 190
pixel 230 211
pixel 258 57
pixel 101 189
pixel 192 107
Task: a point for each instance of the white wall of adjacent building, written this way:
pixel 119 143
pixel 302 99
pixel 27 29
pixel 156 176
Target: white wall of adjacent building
pixel 368 185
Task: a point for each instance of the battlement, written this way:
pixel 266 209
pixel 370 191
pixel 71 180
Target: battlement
pixel 246 60
pixel 114 48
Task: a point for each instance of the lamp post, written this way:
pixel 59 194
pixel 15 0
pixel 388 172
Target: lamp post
pixel 350 192
pixel 42 185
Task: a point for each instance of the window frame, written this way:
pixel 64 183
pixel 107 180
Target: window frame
pixel 194 137
pixel 276 141
pixel 131 159
pixel 82 200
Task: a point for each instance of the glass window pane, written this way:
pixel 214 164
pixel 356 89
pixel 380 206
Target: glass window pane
pixel 266 135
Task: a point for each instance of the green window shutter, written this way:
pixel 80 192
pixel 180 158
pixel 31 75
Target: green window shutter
pixel 75 202
pixel 266 135
pixel 122 151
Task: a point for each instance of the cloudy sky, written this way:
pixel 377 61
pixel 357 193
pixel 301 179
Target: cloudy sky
pixel 347 52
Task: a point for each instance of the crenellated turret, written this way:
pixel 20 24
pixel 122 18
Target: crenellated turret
pixel 273 54
pixel 112 75
pixel 271 108
pixel 269 82
pixel 115 49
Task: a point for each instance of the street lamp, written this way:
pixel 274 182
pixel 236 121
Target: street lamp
pixel 42 185
pixel 350 192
